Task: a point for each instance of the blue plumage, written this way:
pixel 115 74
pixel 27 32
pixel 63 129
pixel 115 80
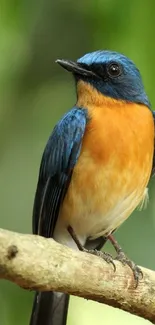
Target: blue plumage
pixel 105 56
pixel 59 158
pixel 113 75
pixel 64 144
pixel 127 86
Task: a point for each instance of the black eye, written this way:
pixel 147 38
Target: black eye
pixel 114 70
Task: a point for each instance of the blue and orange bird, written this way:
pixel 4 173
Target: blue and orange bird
pixel 95 167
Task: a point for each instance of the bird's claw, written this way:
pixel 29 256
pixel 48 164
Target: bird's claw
pixel 137 272
pixel 108 258
pixel 105 256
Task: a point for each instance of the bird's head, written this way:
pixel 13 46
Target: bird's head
pixel 110 73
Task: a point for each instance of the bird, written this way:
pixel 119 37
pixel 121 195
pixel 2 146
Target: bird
pixel 96 166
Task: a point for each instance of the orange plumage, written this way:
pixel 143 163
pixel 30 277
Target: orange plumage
pixel 111 176
pixel 96 165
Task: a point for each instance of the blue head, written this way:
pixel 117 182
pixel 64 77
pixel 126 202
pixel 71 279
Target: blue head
pixel 111 73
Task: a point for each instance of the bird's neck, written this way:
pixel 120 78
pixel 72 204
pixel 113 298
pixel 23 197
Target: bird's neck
pixel 88 96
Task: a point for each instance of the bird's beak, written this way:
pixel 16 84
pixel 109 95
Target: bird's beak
pixel 76 68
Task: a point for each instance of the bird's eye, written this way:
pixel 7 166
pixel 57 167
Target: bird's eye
pixel 114 70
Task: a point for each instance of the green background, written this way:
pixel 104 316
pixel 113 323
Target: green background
pixel 35 92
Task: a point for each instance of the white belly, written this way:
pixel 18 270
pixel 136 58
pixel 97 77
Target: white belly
pixel 100 224
pixel 120 213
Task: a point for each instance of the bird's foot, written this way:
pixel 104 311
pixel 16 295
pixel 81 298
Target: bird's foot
pixel 105 256
pixel 137 273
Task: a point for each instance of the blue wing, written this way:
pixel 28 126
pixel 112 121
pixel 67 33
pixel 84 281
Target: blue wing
pixel 59 158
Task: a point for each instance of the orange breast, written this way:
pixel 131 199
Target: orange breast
pixel 114 166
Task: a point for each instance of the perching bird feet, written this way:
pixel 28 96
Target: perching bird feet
pixel 125 260
pixel 105 256
pixel 135 269
pixel 137 273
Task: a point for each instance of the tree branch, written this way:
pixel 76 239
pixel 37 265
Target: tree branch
pixel 37 263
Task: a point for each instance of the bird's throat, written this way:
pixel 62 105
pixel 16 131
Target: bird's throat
pixel 87 96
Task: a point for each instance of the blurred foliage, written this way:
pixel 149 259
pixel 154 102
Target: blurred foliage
pixel 35 92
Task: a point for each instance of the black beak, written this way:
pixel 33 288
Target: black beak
pixel 76 68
